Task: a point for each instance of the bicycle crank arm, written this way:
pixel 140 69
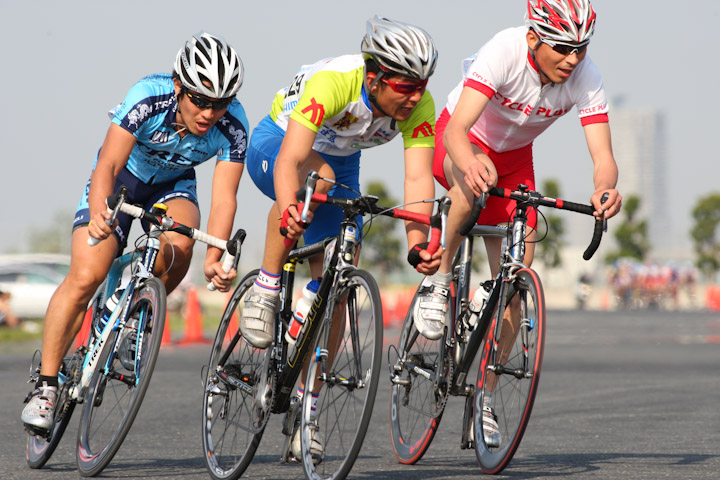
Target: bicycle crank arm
pixel 518 373
pixel 350 383
pixel 129 380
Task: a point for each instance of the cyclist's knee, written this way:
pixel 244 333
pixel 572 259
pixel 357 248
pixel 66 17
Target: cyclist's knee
pixel 81 284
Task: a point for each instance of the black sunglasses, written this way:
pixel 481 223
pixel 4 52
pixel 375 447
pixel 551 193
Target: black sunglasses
pixel 204 103
pixel 564 49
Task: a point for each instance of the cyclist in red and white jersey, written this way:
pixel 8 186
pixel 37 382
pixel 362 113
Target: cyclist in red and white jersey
pixel 515 87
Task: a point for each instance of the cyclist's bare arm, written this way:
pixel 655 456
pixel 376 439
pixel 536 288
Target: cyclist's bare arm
pixel 113 156
pixel 605 171
pixel 292 162
pixel 222 212
pixel 420 185
pixel 478 175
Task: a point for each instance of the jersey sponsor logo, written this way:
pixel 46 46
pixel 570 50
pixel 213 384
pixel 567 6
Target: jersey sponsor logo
pixel 317 111
pixel 159 137
pixel 137 115
pixel 424 129
pixel 527 109
pixel 591 110
pixel 328 133
pixel 345 122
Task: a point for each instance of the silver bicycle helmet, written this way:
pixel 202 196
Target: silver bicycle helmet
pixel 208 57
pixel 399 47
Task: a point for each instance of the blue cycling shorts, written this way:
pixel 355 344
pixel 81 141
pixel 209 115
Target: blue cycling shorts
pixel 140 193
pixel 262 153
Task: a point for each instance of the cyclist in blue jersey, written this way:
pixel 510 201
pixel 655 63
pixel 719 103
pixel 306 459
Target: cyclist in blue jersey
pixel 167 124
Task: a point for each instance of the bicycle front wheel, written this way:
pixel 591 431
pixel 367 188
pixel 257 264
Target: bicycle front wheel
pixel 41 447
pixel 237 395
pixel 114 396
pixel 508 378
pixel 344 370
pixel 418 392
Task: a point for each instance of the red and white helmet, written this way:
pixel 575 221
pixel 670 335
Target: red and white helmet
pixel 561 21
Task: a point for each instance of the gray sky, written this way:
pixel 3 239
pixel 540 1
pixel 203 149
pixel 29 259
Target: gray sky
pixel 66 63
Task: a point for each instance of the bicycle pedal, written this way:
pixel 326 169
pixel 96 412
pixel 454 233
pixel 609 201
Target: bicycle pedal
pixel 39 432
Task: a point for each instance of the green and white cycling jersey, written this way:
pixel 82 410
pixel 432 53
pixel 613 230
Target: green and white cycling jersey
pixel 329 98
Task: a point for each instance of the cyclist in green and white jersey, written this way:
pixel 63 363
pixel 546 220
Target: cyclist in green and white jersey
pixel 331 111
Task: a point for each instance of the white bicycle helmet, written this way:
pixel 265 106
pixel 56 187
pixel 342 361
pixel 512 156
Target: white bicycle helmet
pixel 208 57
pixel 399 47
pixel 569 22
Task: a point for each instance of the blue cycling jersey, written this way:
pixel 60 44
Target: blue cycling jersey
pixel 160 154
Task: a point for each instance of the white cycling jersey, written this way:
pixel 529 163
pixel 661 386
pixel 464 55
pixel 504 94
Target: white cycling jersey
pixel 520 107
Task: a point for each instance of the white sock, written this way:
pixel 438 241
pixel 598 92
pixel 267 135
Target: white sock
pixel 441 279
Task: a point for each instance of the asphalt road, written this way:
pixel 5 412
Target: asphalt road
pixel 631 395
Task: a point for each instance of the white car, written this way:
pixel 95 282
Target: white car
pixel 31 280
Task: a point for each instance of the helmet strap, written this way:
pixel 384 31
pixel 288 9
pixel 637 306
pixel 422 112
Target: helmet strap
pixel 373 98
pixel 183 127
pixel 537 64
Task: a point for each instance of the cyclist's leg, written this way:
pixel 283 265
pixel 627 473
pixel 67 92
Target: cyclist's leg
pixel 64 317
pixel 63 320
pixel 262 300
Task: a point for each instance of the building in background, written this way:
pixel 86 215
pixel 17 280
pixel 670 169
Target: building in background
pixel 638 136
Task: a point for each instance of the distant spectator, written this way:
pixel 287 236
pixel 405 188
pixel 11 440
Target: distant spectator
pixel 7 317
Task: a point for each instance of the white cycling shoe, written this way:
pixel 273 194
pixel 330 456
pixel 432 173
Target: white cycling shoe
pixel 40 409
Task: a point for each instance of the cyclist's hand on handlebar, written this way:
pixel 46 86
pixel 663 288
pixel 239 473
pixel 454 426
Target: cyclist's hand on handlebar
pixel 291 225
pixel 612 205
pixel 423 261
pixel 220 279
pixel 98 227
pixel 480 177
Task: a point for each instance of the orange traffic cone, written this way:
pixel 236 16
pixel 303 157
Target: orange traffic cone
pixel 193 320
pixel 166 337
pixel 84 332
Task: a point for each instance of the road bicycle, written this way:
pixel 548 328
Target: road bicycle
pixel 340 346
pixel 508 332
pixel 110 373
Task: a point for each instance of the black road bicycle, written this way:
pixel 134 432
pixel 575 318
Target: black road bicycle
pixel 340 345
pixel 508 332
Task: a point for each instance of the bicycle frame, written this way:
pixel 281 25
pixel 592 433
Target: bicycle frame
pixel 292 358
pixel 117 320
pixel 511 260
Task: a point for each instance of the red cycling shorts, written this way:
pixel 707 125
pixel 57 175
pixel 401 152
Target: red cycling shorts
pixel 514 167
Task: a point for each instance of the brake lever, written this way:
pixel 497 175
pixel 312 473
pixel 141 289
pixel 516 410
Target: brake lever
pixel 444 208
pixel 310 182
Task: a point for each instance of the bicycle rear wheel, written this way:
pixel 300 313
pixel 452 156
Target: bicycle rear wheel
pixel 114 397
pixel 41 447
pixel 513 374
pixel 237 395
pixel 344 365
pixel 419 391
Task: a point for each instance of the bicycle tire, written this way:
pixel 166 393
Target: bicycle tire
pixel 234 425
pixel 111 405
pixel 513 397
pixel 40 447
pixel 417 403
pixel 351 376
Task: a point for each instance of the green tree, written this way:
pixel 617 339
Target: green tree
pixel 707 217
pixel 53 237
pixel 382 250
pixel 631 235
pixel 552 231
